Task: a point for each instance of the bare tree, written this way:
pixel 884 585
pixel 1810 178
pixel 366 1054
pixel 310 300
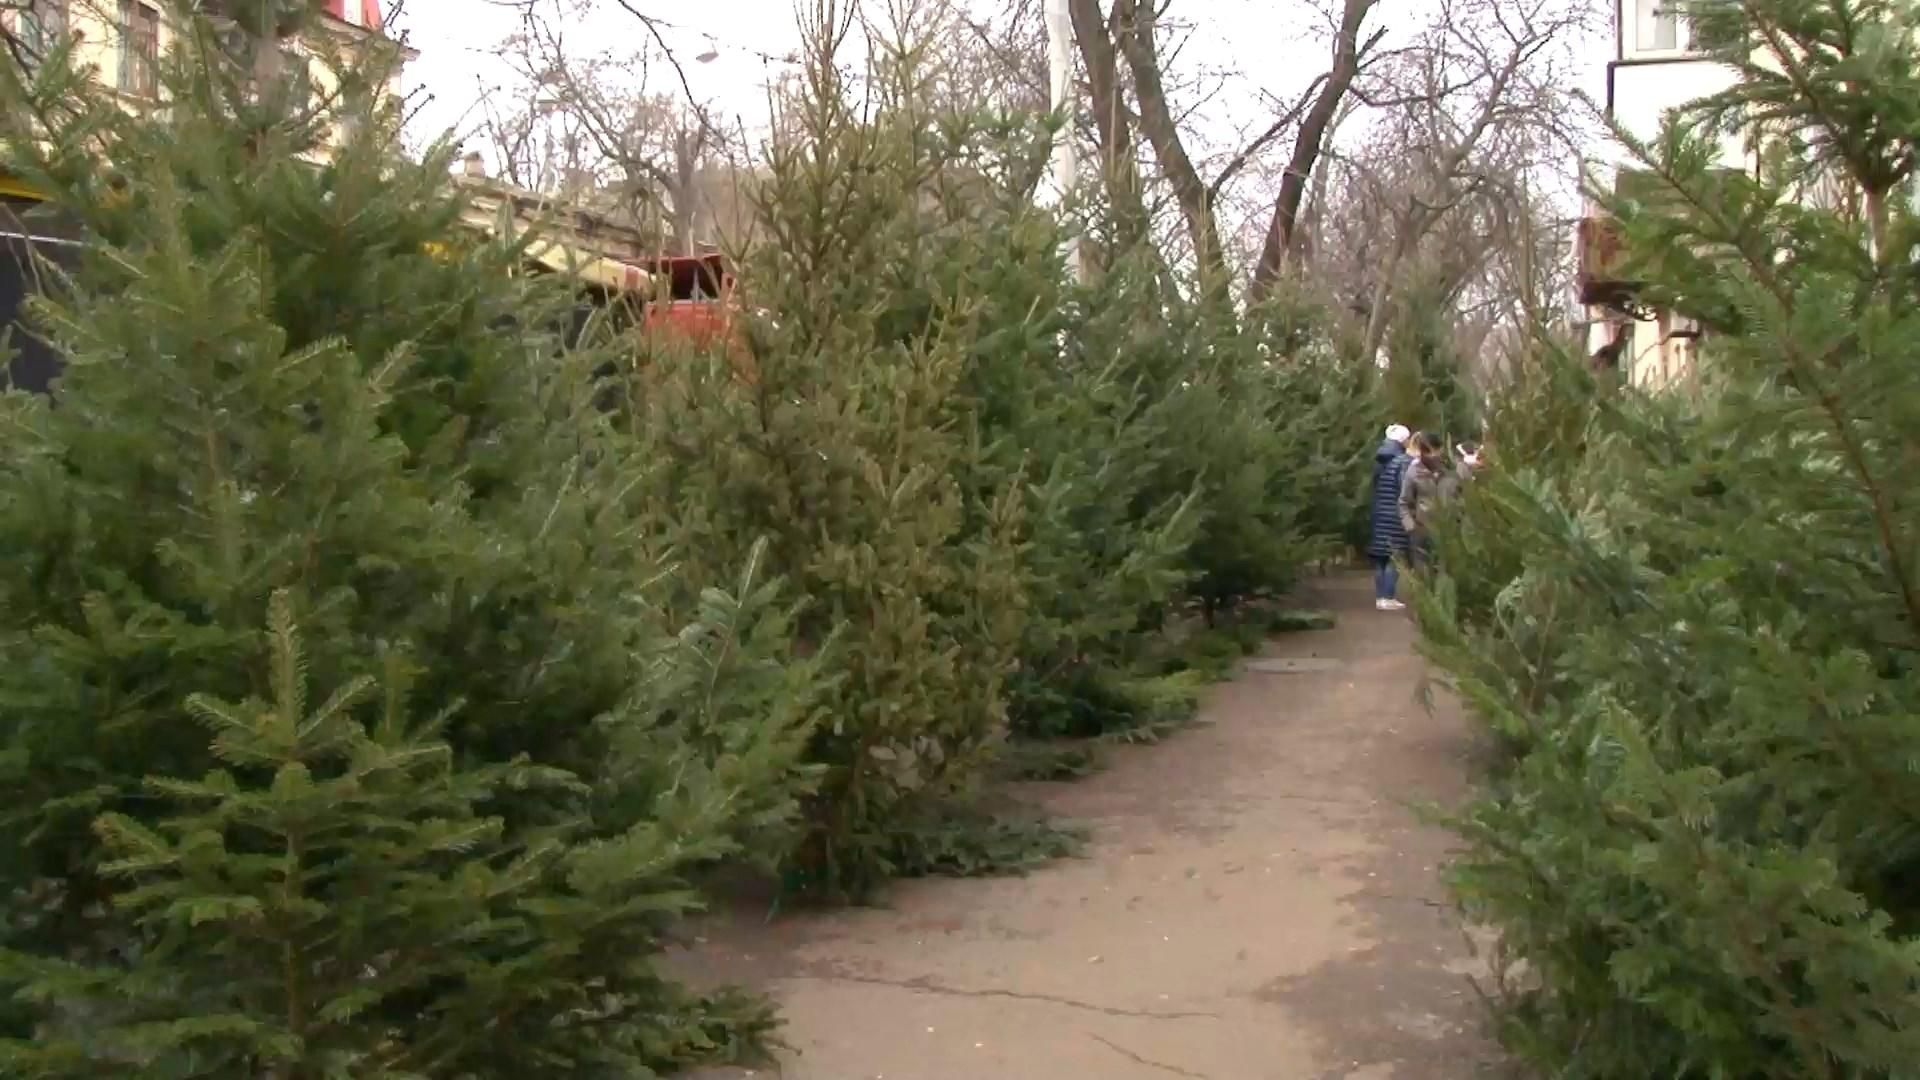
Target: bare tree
pixel 1399 152
pixel 1137 38
pixel 1132 31
pixel 1480 98
pixel 1003 55
pixel 1329 93
pixel 1095 33
pixel 587 126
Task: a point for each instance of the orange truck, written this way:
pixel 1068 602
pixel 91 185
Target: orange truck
pixel 694 301
pixel 693 297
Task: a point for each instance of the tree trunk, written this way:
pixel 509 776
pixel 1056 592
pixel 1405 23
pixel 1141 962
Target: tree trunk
pixel 1280 245
pixel 1095 39
pixel 686 161
pixel 1409 233
pixel 1162 131
pixel 1376 332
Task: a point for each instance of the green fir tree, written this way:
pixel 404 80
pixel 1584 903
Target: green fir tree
pixel 839 431
pixel 1694 618
pixel 1429 380
pixel 296 374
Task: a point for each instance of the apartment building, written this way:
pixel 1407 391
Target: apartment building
pixel 1654 69
pixel 122 42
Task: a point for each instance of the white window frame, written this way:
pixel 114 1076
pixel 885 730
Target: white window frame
pixel 42 23
pixel 1643 16
pixel 132 14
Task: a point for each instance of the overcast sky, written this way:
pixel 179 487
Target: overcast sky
pixel 1259 49
pixel 456 38
pixel 1247 55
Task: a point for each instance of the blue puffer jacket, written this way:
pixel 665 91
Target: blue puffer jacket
pixel 1389 535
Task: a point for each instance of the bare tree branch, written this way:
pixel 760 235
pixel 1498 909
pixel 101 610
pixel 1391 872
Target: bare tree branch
pixel 1503 104
pixel 1162 132
pixel 1095 35
pixel 1262 141
pixel 1348 54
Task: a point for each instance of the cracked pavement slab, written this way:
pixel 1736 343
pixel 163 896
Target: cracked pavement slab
pixel 1260 902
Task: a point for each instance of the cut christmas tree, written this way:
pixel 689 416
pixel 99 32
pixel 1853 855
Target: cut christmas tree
pixel 1702 852
pixel 295 375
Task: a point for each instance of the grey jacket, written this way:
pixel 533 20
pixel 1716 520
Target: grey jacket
pixel 1456 478
pixel 1421 488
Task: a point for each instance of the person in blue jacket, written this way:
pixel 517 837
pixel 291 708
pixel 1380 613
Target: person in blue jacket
pixel 1389 541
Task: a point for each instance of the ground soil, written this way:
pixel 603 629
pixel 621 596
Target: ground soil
pixel 1260 902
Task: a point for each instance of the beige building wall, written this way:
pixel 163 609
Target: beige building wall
pixel 1654 70
pixel 1660 352
pixel 122 41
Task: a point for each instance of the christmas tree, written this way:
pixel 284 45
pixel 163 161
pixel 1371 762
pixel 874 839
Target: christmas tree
pixel 295 382
pixel 1064 407
pixel 848 448
pixel 1429 383
pixel 1704 843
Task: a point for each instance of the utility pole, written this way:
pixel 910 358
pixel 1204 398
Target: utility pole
pixel 1060 68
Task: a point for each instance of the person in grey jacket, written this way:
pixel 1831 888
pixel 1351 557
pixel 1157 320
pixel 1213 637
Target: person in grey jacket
pixel 1422 485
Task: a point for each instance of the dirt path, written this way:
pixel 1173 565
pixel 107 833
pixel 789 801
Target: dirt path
pixel 1259 904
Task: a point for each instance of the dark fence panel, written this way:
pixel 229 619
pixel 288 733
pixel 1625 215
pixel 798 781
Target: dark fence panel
pixel 31 238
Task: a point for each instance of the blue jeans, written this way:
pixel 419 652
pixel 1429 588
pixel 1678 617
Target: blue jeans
pixel 1386 578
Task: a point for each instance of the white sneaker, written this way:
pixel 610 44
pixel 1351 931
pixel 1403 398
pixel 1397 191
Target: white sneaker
pixel 1389 605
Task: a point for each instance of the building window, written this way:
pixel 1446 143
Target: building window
pixel 357 105
pixel 139 48
pixel 42 26
pixel 1656 26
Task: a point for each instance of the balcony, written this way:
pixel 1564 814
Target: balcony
pixel 1601 251
pixel 1641 92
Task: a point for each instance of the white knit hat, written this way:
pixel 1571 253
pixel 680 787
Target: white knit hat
pixel 1398 433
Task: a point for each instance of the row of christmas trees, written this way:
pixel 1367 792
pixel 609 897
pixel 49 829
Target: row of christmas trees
pixel 1692 621
pixel 381 674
